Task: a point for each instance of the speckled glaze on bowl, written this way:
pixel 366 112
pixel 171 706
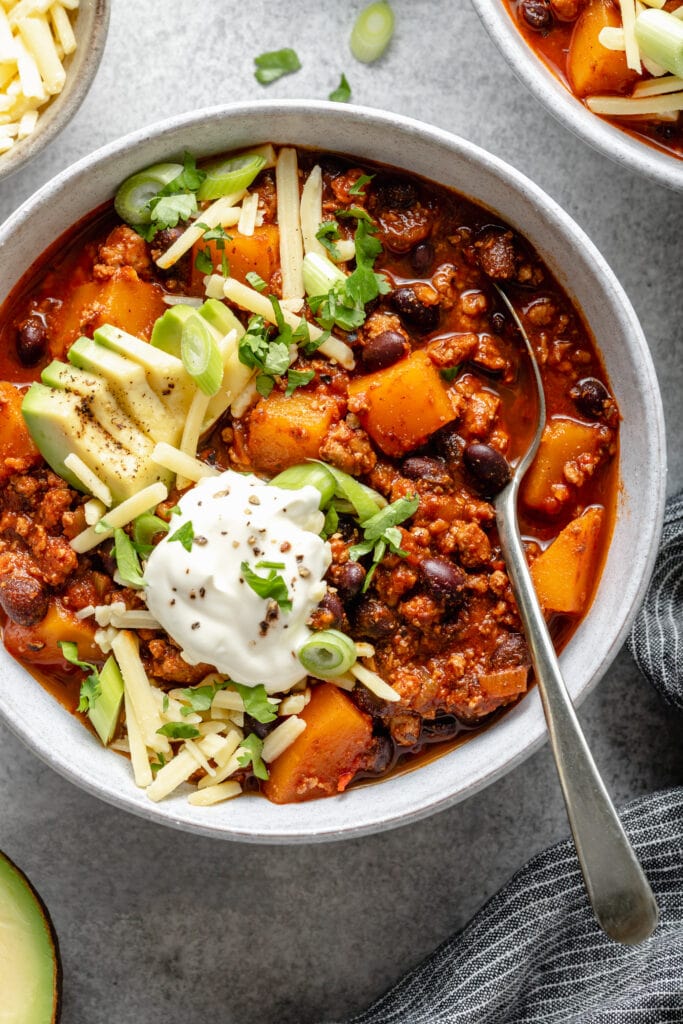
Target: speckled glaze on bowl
pixel 62 741
pixel 90 29
pixel 614 143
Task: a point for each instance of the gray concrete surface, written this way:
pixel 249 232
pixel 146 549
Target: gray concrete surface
pixel 158 925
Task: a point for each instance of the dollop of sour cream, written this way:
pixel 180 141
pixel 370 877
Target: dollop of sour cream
pixel 202 597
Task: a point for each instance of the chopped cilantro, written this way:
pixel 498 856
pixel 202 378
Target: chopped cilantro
pixel 185 535
pixel 327 234
pixel 449 373
pixel 90 687
pixel 357 211
pixel 127 561
pixel 256 702
pixel 297 379
pixel 168 210
pixel 179 731
pixel 358 187
pixel 271 586
pixel 344 305
pixel 342 94
pixel 203 262
pixel 274 64
pixel 157 765
pixel 200 698
pixel 251 749
pixel 165 703
pixel 381 531
pixel 145 529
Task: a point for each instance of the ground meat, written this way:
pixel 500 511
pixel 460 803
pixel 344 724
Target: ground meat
pixel 123 248
pixel 163 661
pixel 480 410
pixel 453 350
pixel 489 355
pixel 401 230
pixel 497 255
pixel 348 449
pixel 472 545
pixel 379 323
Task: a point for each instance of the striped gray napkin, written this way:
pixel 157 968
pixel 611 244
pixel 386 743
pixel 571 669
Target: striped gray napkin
pixel 534 954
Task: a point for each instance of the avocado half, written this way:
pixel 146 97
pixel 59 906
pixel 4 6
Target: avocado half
pixel 30 973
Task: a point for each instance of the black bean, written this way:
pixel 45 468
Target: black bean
pixel 331 603
pixel 32 340
pixel 397 193
pixel 442 578
pixel 381 754
pixel 24 600
pixel 497 322
pixel 536 14
pixel 511 650
pixel 349 579
pixel 414 313
pixel 590 396
pixel 374 619
pixel 421 467
pixel 405 728
pixel 489 467
pixel 449 444
pixel 422 257
pixel 260 728
pixel 383 350
pixel 443 727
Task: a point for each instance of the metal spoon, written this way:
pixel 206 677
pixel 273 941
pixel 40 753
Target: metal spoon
pixel 620 894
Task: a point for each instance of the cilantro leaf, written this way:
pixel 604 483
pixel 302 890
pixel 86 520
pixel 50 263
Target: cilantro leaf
pixel 252 748
pixel 90 687
pixel 344 305
pixel 179 731
pixel 127 561
pixel 185 535
pixel 326 234
pixel 297 379
pixel 358 187
pixel 342 94
pixel 203 262
pixel 274 64
pixel 168 210
pixel 381 531
pixel 449 373
pixel 256 702
pixel 357 211
pixel 264 384
pixel 200 698
pixel 271 586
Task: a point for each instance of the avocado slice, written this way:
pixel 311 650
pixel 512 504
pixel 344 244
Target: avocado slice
pixel 168 329
pixel 128 383
pixel 102 404
pixel 165 373
pixel 60 422
pixel 218 315
pixel 29 954
pixel 105 708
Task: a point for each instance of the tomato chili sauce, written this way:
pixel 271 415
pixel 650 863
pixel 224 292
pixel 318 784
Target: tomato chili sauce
pixel 549 27
pixel 440 616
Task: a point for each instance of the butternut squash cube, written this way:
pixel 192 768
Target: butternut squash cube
pixel 258 253
pixel 324 758
pixel 563 441
pixel 563 574
pixel 286 430
pixel 402 405
pixel 17 450
pixel 590 67
pixel 39 644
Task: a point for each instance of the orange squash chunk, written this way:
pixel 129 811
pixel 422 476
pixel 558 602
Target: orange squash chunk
pixel 403 405
pixel 17 450
pixel 563 574
pixel 39 644
pixel 258 253
pixel 504 683
pixel 286 430
pixel 124 300
pixel 590 67
pixel 563 441
pixel 324 758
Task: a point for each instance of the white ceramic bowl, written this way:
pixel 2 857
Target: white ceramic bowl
pixel 63 742
pixel 90 29
pixel 618 145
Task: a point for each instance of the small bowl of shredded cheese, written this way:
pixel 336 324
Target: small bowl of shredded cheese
pixel 49 53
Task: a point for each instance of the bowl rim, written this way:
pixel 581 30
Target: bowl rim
pixel 346 819
pixel 58 113
pixel 603 136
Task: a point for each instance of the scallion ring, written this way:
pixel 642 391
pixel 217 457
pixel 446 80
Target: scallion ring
pixel 308 474
pixel 132 199
pixel 200 355
pixel 230 175
pixel 372 32
pixel 320 275
pixel 328 654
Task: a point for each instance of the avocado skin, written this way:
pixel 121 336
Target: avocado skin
pixel 12 878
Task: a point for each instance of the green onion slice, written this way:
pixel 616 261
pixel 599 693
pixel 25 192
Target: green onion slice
pixel 372 32
pixel 230 175
pixel 364 500
pixel 201 356
pixel 328 654
pixel 320 274
pixel 659 35
pixel 312 474
pixel 132 199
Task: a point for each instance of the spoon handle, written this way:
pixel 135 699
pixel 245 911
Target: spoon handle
pixel 620 894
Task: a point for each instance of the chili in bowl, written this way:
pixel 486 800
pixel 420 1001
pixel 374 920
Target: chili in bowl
pixel 609 70
pixel 247 525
